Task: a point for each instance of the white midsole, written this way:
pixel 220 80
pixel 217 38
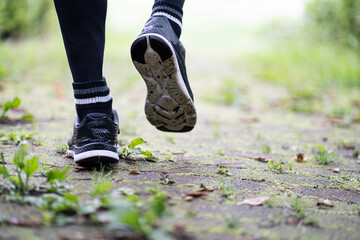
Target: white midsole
pixel 179 78
pixel 95 153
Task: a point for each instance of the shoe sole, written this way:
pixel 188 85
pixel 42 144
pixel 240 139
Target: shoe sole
pixel 94 157
pixel 168 105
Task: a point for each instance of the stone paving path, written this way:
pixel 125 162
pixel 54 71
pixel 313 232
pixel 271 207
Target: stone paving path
pixel 238 138
pixel 230 137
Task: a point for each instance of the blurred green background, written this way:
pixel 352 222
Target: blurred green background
pixel 300 56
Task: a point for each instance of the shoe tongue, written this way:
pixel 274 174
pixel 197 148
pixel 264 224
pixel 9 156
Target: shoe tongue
pixel 96 115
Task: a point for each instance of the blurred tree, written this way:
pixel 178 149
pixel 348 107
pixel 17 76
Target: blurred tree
pixel 19 18
pixel 337 20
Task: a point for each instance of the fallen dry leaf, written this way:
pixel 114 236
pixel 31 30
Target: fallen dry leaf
pixel 188 198
pixel 294 221
pixel 300 157
pixel 250 120
pixel 178 153
pixel 348 146
pixel 254 201
pixel 199 193
pixel 164 174
pixel 179 228
pixel 326 203
pixel 336 170
pixel 134 172
pixel 52 165
pixel 263 159
pixel 24 222
pixel 79 168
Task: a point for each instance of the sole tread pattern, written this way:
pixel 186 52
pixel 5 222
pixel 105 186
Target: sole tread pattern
pixel 168 105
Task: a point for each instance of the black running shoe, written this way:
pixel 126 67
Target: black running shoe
pixel 95 139
pixel 159 57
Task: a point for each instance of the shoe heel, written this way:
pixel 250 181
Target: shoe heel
pixel 95 153
pixel 138 49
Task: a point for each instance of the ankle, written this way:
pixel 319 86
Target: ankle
pixel 92 97
pixel 172 12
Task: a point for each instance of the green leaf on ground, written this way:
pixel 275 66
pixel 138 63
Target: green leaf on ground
pixel 136 142
pixel 4 172
pixel 132 149
pixel 10 104
pixel 57 174
pixel 19 156
pixel 31 166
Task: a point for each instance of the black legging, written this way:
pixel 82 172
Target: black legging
pixel 82 25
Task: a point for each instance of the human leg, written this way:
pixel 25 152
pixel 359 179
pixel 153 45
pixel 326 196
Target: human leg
pixel 82 25
pixel 159 57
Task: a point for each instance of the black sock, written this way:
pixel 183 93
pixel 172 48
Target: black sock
pixel 172 9
pixel 92 97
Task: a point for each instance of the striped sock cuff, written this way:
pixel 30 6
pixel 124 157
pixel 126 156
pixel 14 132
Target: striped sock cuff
pixel 92 97
pixel 169 10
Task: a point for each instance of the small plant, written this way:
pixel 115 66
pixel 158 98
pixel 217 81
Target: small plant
pixel 66 203
pixel 52 194
pixel 170 139
pixel 44 169
pixel 298 209
pixel 56 177
pixel 14 104
pixel 28 117
pixel 232 222
pixel 131 149
pixel 24 169
pixel 275 167
pixel 259 136
pixel 231 92
pixel 357 208
pixel 60 147
pixel 215 129
pixel 323 156
pixel 61 205
pixel 166 179
pixel 355 154
pixel 226 190
pixel 14 138
pixel 349 182
pixel 299 213
pixel 169 157
pixel 265 148
pixel 270 203
pixel 2 158
pixel 251 173
pixel 223 171
pixel 9 105
pixel 102 182
pixel 220 152
pixel 290 166
pixel 140 216
pixel 39 141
